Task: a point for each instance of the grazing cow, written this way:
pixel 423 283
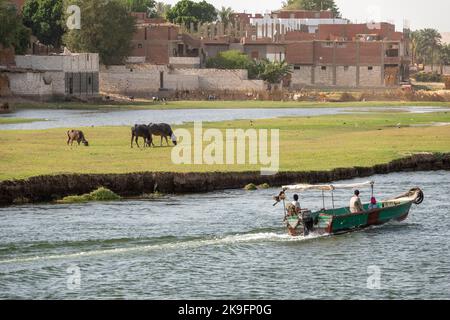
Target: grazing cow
pixel 78 136
pixel 162 130
pixel 141 130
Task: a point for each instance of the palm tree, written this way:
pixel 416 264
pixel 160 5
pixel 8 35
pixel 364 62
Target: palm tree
pixel 431 41
pixel 225 16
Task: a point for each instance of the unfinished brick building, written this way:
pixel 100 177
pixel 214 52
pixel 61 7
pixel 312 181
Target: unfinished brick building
pixel 352 55
pixel 159 42
pixel 324 51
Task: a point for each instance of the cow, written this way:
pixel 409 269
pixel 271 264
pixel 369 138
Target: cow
pixel 78 136
pixel 141 130
pixel 162 130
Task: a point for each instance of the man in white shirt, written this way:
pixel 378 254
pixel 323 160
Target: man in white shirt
pixel 356 204
pixel 296 204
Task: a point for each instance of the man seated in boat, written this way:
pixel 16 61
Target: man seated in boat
pixel 356 204
pixel 296 204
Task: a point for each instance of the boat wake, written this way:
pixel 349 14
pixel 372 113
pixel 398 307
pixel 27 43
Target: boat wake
pixel 178 244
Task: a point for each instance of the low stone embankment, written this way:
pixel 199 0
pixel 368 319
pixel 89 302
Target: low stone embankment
pixel 50 188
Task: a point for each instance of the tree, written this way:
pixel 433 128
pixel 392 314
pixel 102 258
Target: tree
pixel 272 72
pixel 315 5
pixel 231 59
pixel 12 31
pixel 225 15
pixel 106 28
pixel 161 9
pixel 147 6
pixel 444 54
pixel 426 44
pixel 45 19
pixel 187 12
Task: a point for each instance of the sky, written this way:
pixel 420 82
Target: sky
pixel 418 13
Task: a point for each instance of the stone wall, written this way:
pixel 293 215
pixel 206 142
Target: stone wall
pixel 37 83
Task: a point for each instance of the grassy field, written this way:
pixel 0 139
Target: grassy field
pixel 224 105
pixel 308 143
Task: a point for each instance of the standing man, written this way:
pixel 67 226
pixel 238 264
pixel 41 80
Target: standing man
pixel 356 204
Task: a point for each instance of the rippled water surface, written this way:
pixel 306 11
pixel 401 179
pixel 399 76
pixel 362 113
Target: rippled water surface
pixel 228 244
pixel 86 118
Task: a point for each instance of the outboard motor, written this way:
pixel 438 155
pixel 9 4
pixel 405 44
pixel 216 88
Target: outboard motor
pixel 308 222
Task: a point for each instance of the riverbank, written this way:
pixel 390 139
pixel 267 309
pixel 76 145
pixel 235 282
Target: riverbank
pixel 248 104
pixel 51 188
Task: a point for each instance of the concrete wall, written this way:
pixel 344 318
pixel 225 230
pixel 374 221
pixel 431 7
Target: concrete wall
pixel 132 79
pixel 82 62
pixel 37 83
pixel 346 76
pixel 215 79
pixel 302 76
pixel 185 62
pixel 370 78
pixel 145 79
pixel 323 77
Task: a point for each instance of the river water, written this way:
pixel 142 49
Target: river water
pixel 228 244
pixel 66 118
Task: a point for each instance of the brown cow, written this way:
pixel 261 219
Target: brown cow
pixel 78 136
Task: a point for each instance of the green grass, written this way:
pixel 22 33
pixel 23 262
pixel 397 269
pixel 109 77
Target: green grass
pixel 176 105
pixel 101 194
pixel 17 120
pixel 306 143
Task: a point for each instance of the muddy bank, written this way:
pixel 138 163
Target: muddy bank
pixel 50 188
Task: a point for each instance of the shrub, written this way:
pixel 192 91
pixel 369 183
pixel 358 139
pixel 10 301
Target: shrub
pixel 231 59
pixel 428 77
pixel 101 194
pixel 251 187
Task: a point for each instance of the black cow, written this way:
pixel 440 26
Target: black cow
pixel 141 130
pixel 162 130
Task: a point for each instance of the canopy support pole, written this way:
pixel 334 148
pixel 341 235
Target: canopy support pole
pixel 323 199
pixel 332 198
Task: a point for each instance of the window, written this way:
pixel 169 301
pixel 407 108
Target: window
pixel 323 68
pixel 139 45
pixel 296 67
pixel 89 80
pixel 370 68
pixel 327 45
pixel 341 45
pixel 345 68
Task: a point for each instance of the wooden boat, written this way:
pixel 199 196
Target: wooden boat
pixel 341 220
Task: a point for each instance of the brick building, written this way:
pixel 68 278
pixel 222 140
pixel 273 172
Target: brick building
pixel 162 43
pixel 324 51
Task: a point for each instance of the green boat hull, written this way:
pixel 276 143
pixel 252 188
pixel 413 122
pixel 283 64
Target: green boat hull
pixel 336 221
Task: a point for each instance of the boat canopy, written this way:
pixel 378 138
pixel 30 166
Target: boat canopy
pixel 328 187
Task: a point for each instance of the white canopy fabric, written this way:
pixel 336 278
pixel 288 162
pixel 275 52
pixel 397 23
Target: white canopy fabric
pixel 329 187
